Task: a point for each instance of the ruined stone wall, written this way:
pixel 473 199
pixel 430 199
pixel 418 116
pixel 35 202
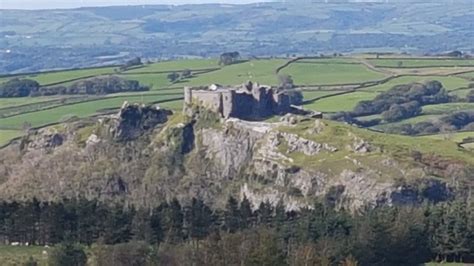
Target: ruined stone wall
pixel 243 105
pixel 282 104
pixel 251 102
pixel 208 99
pixel 187 95
pixel 228 103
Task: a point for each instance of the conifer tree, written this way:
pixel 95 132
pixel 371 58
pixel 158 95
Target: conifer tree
pixel 232 216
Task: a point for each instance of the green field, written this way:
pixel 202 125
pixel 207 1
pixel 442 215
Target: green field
pixel 338 60
pixel 429 112
pixel 439 109
pixel 62 113
pixel 56 77
pixel 177 65
pixel 449 82
pixel 12 102
pixel 345 102
pixel 167 66
pixel 308 95
pixel 469 75
pixel 7 135
pixel 456 136
pixel 154 81
pixel 176 106
pixel 414 63
pixel 261 71
pixel 462 93
pixel 328 74
pixel 43 105
pixel 412 120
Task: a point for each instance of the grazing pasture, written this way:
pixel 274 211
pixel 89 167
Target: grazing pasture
pixel 330 73
pixel 344 102
pixel 45 79
pixel 7 135
pixel 62 113
pixel 261 71
pixel 449 82
pixel 176 65
pixel 446 108
pixel 418 62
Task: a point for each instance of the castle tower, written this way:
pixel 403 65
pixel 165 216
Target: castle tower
pixel 188 97
pixel 228 103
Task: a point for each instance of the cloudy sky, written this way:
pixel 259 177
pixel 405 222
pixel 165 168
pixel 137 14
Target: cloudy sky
pixel 46 4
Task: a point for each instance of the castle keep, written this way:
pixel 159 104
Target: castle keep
pixel 248 101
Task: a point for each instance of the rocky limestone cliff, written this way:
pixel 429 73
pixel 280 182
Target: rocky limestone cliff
pixel 144 156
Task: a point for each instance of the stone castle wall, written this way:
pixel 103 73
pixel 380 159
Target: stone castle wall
pixel 249 101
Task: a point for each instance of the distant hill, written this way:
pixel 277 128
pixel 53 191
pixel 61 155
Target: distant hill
pixel 48 39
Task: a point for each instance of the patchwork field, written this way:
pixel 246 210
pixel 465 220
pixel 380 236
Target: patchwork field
pixel 330 73
pixel 177 65
pixel 62 76
pixel 439 109
pixel 154 81
pixel 7 135
pixel 414 62
pixel 344 102
pixel 62 113
pixel 262 71
pixel 469 75
pixel 449 82
pixel 456 137
pixel 321 78
pixel 12 102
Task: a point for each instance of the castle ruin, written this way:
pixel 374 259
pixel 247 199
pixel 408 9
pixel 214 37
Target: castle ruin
pixel 248 101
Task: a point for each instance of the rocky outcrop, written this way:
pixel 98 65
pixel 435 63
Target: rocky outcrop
pixel 133 120
pixel 307 147
pixel 254 149
pixel 45 139
pixel 140 157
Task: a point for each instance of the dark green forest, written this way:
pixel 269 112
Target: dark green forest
pixel 176 234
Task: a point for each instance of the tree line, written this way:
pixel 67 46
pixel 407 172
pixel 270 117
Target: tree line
pixel 93 86
pixel 405 101
pixel 457 121
pixel 176 234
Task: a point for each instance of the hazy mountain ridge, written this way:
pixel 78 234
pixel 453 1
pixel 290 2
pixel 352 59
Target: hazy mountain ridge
pixel 79 37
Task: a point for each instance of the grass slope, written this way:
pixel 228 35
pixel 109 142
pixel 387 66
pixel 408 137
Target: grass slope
pixel 414 63
pixel 154 81
pixel 449 82
pixel 396 146
pixel 7 135
pixel 12 102
pixel 330 73
pixel 439 109
pixel 57 77
pixel 345 102
pixel 177 65
pixel 456 137
pixel 62 113
pixel 261 71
